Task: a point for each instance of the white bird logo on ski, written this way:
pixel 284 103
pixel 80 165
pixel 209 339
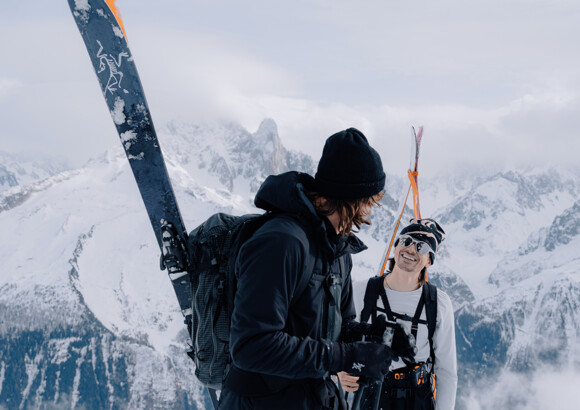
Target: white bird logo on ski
pixel 108 61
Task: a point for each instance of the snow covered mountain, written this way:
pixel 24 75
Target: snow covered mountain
pixel 59 347
pixel 23 169
pixel 86 317
pixel 88 320
pixel 515 240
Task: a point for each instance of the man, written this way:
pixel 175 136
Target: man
pixel 405 295
pixel 285 345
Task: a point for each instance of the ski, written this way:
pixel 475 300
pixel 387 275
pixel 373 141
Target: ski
pixel 413 174
pixel 101 28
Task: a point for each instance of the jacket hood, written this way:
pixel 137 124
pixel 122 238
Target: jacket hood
pixel 287 193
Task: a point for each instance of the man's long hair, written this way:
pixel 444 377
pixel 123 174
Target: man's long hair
pixel 350 212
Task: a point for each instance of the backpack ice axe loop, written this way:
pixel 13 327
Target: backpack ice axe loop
pixel 173 251
pixel 174 259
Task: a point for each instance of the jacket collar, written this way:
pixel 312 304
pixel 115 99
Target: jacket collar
pixel 287 193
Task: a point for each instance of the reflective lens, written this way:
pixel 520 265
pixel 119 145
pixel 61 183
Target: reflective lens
pixel 422 247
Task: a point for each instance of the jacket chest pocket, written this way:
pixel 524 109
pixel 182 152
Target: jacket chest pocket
pixel 333 315
pixel 325 294
pixel 332 285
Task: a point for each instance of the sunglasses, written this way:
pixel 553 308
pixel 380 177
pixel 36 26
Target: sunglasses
pixel 423 248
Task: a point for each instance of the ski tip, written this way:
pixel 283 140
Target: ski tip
pixel 418 133
pixel 117 14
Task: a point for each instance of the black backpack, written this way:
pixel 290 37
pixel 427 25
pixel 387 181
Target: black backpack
pixel 213 247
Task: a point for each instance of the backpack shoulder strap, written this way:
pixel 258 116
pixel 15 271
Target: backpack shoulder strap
pixel 374 286
pixel 305 277
pixel 308 267
pixel 430 296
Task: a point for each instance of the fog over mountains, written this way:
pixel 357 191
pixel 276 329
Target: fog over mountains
pixel 87 319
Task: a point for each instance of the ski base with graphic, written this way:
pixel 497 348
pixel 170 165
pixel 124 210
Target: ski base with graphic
pixel 102 31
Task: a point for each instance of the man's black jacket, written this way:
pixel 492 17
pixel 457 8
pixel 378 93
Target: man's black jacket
pixel 275 332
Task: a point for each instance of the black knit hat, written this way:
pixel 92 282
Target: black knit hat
pixel 349 167
pixel 426 230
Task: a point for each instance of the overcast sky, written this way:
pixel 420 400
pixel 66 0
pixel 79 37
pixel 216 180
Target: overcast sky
pixel 494 82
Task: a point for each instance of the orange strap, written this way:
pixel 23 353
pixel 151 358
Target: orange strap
pixel 416 206
pixel 413 178
pixel 117 14
pixel 386 258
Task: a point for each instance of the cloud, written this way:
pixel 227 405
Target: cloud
pixel 489 80
pixel 8 86
pixel 544 389
pixel 546 124
pixel 192 74
pixel 555 390
pixel 531 131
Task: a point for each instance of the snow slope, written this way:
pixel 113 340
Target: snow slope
pixel 88 319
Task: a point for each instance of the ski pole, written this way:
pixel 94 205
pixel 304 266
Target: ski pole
pixel 377 398
pixel 213 397
pixel 376 395
pixel 358 396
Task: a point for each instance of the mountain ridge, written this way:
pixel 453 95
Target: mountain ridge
pixel 88 318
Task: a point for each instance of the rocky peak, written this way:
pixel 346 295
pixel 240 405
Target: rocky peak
pixel 268 144
pixel 227 151
pixel 564 228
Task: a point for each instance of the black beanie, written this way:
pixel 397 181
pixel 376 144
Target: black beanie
pixel 426 230
pixel 349 167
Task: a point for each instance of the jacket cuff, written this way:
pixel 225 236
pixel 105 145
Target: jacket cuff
pixel 335 356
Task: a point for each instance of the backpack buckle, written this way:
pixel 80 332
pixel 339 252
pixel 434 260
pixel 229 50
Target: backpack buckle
pixel 333 279
pixel 220 287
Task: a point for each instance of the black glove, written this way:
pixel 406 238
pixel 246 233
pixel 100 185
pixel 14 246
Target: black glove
pixel 402 342
pixel 377 329
pixel 353 331
pixel 371 360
